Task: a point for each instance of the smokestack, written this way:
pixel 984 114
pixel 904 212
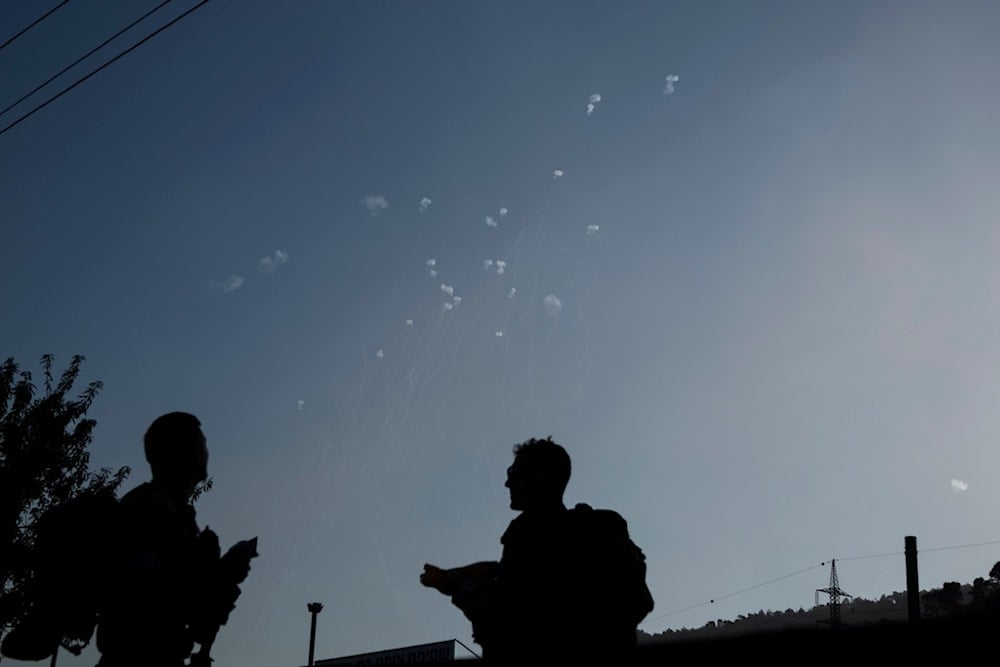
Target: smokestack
pixel 912 583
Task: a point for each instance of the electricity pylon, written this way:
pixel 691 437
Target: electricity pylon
pixel 835 593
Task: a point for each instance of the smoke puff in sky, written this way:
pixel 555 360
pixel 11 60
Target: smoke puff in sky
pixel 501 265
pixel 557 173
pixel 232 283
pixel 552 304
pixel 959 485
pixel 447 289
pixel 300 404
pixel 594 99
pixel 592 229
pixel 433 273
pixel 431 262
pixel 268 265
pixel 498 334
pixel 490 221
pixel 409 323
pixel 380 354
pixel 487 263
pixel 512 292
pixel 671 80
pixel 375 203
pixel 503 212
pixel 425 204
pixel 448 305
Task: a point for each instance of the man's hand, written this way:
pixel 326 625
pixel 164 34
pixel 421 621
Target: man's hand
pixel 458 580
pixel 208 545
pixel 440 579
pixel 236 563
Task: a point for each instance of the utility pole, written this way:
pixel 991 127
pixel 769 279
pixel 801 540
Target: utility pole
pixel 835 593
pixel 314 608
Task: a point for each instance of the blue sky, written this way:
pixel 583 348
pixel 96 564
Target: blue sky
pixel 776 334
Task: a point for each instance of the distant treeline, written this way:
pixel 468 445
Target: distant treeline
pixel 951 598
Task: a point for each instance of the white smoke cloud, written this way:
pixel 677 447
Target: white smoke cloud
pixel 375 203
pixel 232 283
pixel 457 300
pixel 434 273
pixel 487 264
pixel 594 99
pixel 557 173
pixel 671 80
pixel 592 229
pixel 959 486
pixel 491 221
pixel 552 304
pixel 425 204
pixel 380 354
pixel 498 334
pixel 447 289
pixel 501 265
pixel 409 323
pixel 503 212
pixel 268 265
pixel 300 404
pixel 448 305
pixel 431 262
pixel 512 292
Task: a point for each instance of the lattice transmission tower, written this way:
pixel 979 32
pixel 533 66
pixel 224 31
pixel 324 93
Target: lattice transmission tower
pixel 835 593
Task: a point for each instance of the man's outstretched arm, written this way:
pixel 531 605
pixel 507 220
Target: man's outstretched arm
pixel 456 580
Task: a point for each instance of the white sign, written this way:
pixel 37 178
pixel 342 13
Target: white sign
pixel 408 655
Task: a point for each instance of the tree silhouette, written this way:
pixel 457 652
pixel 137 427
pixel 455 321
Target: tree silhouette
pixel 981 588
pixel 44 462
pixel 995 573
pixel 943 600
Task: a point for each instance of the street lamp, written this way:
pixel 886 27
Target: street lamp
pixel 314 608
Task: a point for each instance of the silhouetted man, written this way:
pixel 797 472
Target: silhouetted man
pixel 172 589
pixel 570 584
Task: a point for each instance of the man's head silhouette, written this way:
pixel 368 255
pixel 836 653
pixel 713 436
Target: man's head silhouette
pixel 539 474
pixel 177 452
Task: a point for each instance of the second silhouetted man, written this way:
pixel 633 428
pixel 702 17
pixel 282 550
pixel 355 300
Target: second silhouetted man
pixel 570 583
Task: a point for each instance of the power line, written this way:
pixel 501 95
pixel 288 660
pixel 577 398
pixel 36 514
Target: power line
pixel 962 546
pixel 33 24
pixel 729 595
pixel 84 78
pixel 85 56
pixel 812 567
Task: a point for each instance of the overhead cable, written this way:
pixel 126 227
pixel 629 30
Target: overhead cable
pixel 92 73
pixel 33 24
pixel 84 57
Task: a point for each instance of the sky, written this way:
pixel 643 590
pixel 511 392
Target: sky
pixel 740 258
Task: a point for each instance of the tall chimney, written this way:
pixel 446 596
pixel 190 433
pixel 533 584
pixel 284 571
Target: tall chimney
pixel 912 584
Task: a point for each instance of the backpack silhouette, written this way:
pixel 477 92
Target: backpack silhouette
pixel 615 575
pixel 72 558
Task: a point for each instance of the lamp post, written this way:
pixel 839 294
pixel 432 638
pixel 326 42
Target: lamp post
pixel 314 608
